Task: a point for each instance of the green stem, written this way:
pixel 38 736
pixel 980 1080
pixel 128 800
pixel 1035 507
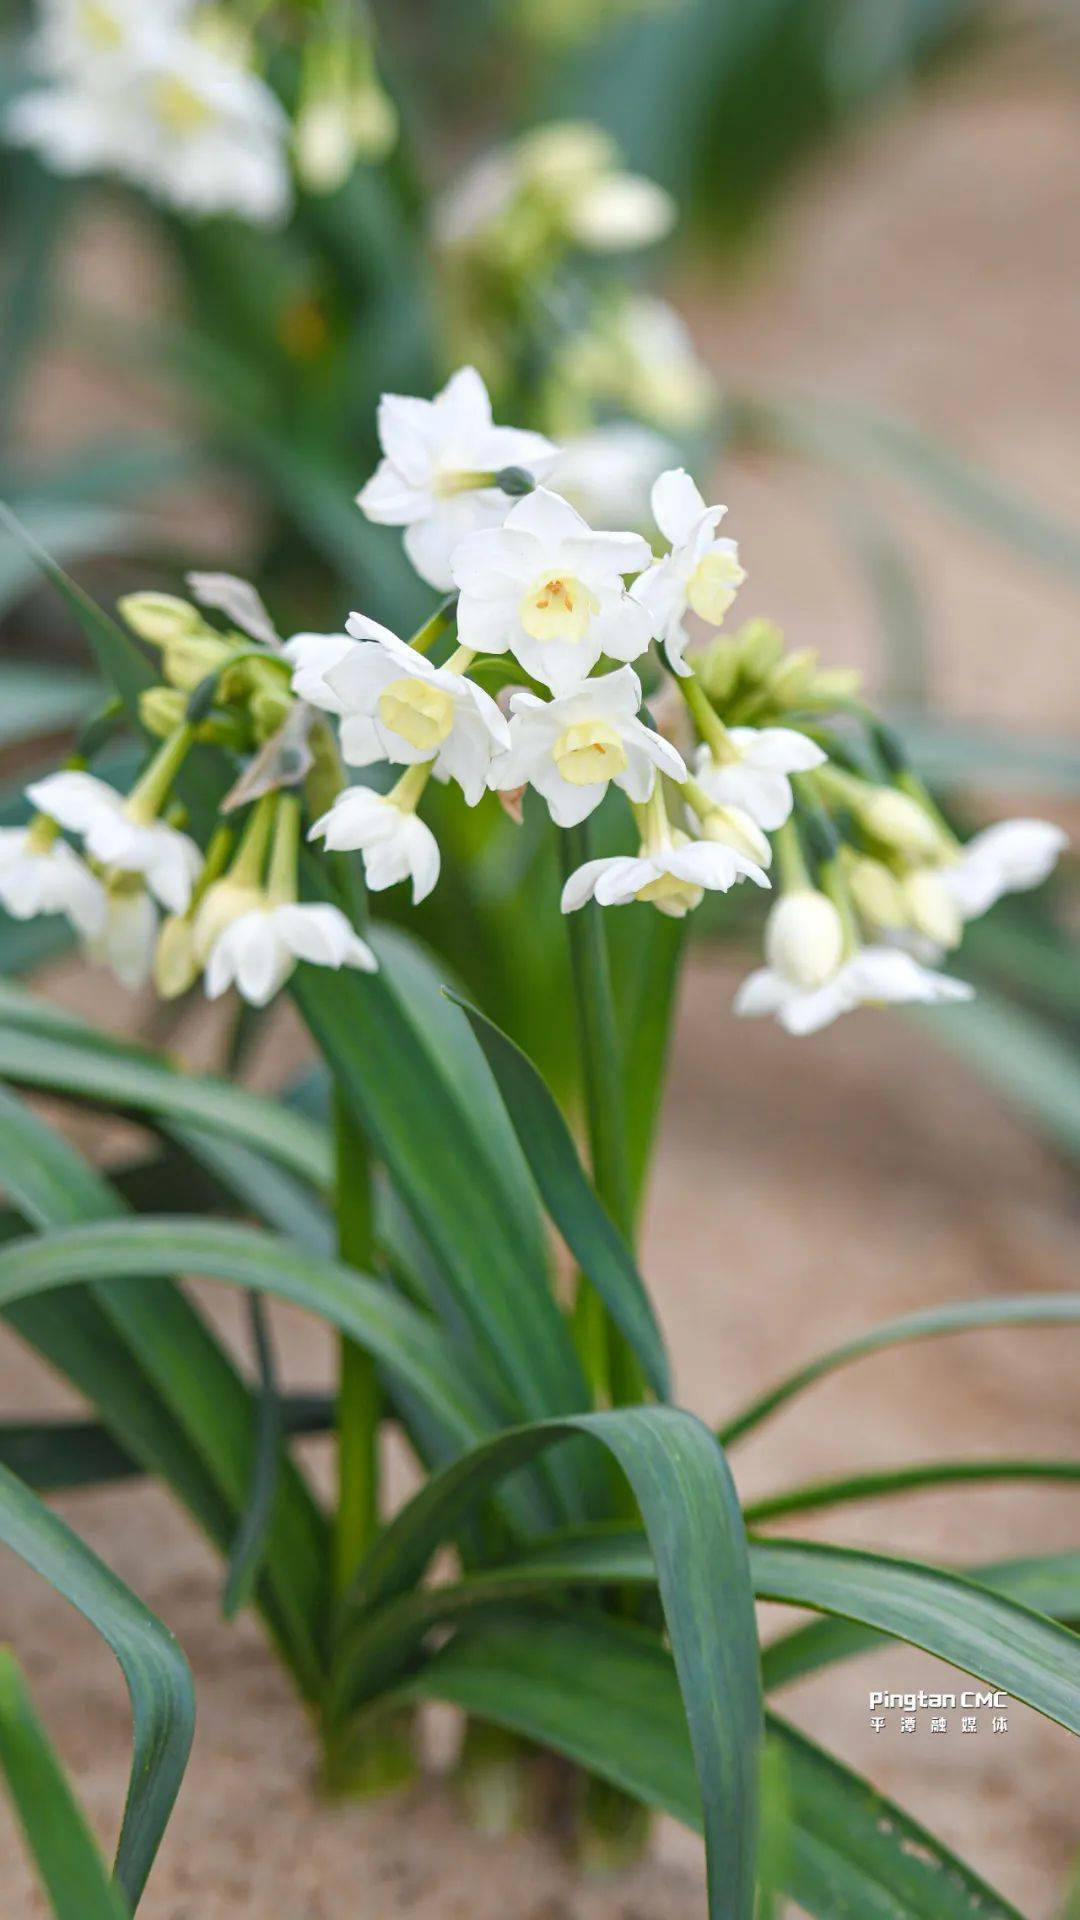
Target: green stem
pixel 707 720
pixel 433 629
pixel 358 1405
pixel 612 1369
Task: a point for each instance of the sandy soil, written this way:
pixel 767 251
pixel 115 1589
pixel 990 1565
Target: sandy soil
pixel 926 273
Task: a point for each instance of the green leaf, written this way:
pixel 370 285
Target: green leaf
pixel 876 1486
pixel 949 754
pixel 154 1669
pixel 587 1229
pixel 125 667
pixel 958 1316
pixel 682 1485
pixel 53 1456
pixel 646 955
pixel 58 1839
pixel 1047 1583
pixel 607 1695
pixel 249 1548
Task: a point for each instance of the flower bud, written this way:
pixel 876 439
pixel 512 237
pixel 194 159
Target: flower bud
pixel 790 679
pixel 761 645
pixel 931 907
pixel 160 618
pixel 221 904
pixel 175 964
pixel 900 822
pixel 733 827
pixel 269 710
pixel 834 683
pixel 717 667
pixel 876 893
pixel 186 662
pixel 804 938
pixel 162 710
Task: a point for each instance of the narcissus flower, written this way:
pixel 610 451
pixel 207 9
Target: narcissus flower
pixel 435 479
pixel 258 951
pixel 1010 857
pixel 40 873
pixel 396 705
pixel 116 832
pixel 395 845
pixel 572 747
pixel 561 180
pixel 127 941
pixel 873 976
pixel 547 589
pixel 755 777
pixel 700 575
pixel 673 878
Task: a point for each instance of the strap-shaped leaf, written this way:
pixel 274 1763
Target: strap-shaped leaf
pixel 164 1385
pixel 607 1695
pixel 52 1456
pixel 876 1486
pixel 589 1232
pixel 58 1839
pixel 957 1316
pixel 154 1668
pixel 126 668
pixel 691 1515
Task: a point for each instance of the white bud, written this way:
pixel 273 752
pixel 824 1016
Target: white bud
pixel 804 938
pixel 877 893
pixel 175 964
pixel 734 827
pixel 931 907
pixel 900 822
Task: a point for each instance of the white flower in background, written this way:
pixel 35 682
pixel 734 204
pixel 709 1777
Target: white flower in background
pixel 572 747
pixel 435 455
pixel 672 876
pixel 700 575
pixel 127 941
pixel 607 474
pixel 808 983
pixel 395 845
pixel 311 655
pixel 111 833
pixel 397 706
pixel 547 589
pixel 564 179
pixel 74 36
pixel 40 873
pixel 1010 857
pixel 258 951
pixel 660 372
pixel 172 113
pixel 756 776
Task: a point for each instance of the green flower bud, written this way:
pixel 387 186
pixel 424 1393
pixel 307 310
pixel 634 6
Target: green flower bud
pixel 931 907
pixel 876 892
pixel 187 662
pixel 162 710
pixel 789 681
pixel 717 667
pixel 761 645
pixel 176 966
pixel 160 618
pixel 833 683
pixel 899 821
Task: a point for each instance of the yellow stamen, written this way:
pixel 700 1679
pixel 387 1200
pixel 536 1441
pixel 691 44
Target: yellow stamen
pixel 672 896
pixel 589 752
pixel 558 608
pixel 180 109
pixel 420 713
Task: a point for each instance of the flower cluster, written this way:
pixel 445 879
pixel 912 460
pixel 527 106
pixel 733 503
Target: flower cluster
pixel 167 94
pixel 527 677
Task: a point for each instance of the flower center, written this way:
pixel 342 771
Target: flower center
pixel 99 26
pixel 711 587
pixel 673 896
pixel 179 108
pixel 420 713
pixel 589 752
pixel 558 608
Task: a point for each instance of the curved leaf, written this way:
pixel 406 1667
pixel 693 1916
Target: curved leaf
pixel 681 1482
pixel 58 1839
pixel 958 1316
pixel 589 1232
pixel 607 1695
pixel 154 1668
pixel 876 1486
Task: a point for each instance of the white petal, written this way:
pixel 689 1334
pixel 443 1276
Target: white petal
pixel 390 500
pixel 423 860
pixel 805 1013
pixel 548 517
pixel 311 656
pixel 1010 857
pixel 75 800
pixel 580 885
pixel 239 600
pixel 618 211
pixel 763 991
pixel 778 749
pixel 623 878
pixel 606 554
pixel 677 506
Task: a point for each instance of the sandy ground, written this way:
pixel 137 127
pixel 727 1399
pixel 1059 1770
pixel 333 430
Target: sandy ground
pixel 801 1193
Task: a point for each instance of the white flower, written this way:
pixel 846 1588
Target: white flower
pixel 128 938
pixel 1010 857
pixel 550 591
pixel 171 113
pixel 74 36
pixel 756 778
pixel 311 655
pixel 607 473
pixel 49 878
pixel 571 747
pixel 395 845
pixel 873 976
pixel 397 706
pixel 86 806
pixel 433 452
pixel 258 951
pixel 672 877
pixel 701 574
